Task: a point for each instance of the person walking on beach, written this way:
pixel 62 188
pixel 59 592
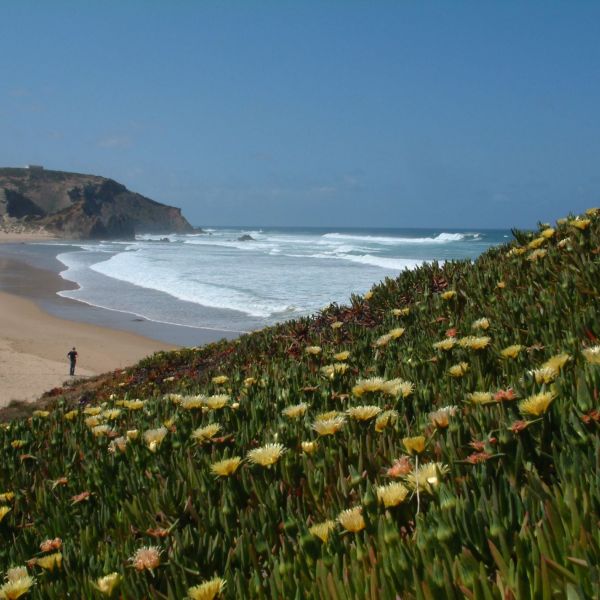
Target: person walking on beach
pixel 73 358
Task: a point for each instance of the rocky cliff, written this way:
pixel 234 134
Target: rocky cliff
pixel 76 206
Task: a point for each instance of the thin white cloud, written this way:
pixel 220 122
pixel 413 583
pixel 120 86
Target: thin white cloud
pixel 115 141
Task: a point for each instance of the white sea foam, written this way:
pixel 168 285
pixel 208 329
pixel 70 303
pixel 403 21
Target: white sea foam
pixel 442 238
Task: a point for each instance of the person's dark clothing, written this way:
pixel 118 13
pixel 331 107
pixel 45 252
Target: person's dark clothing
pixel 73 358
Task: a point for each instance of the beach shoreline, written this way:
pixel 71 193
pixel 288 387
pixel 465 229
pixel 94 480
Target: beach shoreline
pixel 38 328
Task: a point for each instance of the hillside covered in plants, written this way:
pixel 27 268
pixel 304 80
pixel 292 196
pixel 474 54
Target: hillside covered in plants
pixel 437 438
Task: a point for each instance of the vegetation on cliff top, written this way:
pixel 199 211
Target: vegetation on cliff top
pixel 437 438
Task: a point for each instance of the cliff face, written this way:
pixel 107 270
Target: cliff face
pixel 76 206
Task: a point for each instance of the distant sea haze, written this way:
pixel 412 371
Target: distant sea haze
pixel 241 279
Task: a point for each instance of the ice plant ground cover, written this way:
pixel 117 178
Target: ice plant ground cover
pixel 245 470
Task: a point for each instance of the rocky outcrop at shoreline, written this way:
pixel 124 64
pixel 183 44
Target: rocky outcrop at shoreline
pixel 76 206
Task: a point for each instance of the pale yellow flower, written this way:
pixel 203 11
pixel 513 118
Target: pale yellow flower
pixel 322 530
pixel 226 467
pixel 481 397
pixel 341 356
pixel 387 418
pixel 441 417
pixel 397 387
pixel 448 295
pixel 368 295
pixel 193 402
pixel 119 443
pixel 396 333
pixel 154 437
pixel 331 371
pixel 295 411
pixel 133 404
pixel 592 355
pixel 511 351
pixel 328 426
pixel 92 411
pixel 15 587
pixel 146 558
pixel 174 398
pixel 564 243
pixel 330 414
pixel 220 379
pixel 501 285
pixel 548 232
pixel 383 340
pixel 580 224
pixel 517 251
pixel 16 573
pixel 592 212
pixel 111 414
pixel 458 370
pixel 4 510
pixel 352 519
pixel 209 590
pixel 266 455
pixel 132 434
pixel 50 561
pixel 414 444
pixel 363 413
pixel 557 362
pixel 206 433
pixel 314 350
pixel 7 497
pixel 249 381
pixel 392 494
pixel 107 584
pixel 92 422
pixel 41 413
pixel 70 415
pixel 544 374
pixel 364 386
pixel 426 477
pixel 309 447
pixel 217 401
pixel 483 323
pixel 336 325
pixel 536 243
pixel 445 344
pixel 401 312
pixel 102 430
pixel 537 404
pixel 474 343
pixel 536 255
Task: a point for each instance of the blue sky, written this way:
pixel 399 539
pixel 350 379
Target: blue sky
pixel 397 114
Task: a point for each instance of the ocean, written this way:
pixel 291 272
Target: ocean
pixel 241 279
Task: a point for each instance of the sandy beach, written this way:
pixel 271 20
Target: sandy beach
pixel 33 348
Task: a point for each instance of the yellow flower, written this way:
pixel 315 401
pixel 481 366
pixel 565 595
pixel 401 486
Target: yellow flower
pixel 119 443
pixel 220 379
pixel 111 414
pixel 193 402
pixel 50 561
pixel 592 212
pixel 352 519
pixel 537 404
pixel 309 447
pixel 501 285
pixel 226 467
pixel 517 251
pixel 340 356
pixel 16 573
pixel 392 494
pixel 41 413
pixel 482 323
pixel 16 444
pixel 92 422
pixel 154 437
pixel 474 343
pixel 266 455
pixel 322 530
pixel 397 333
pixel 580 224
pixel 7 497
pixel 548 233
pixel 146 557
pixel 296 411
pixel 536 243
pixel 249 381
pixel 330 414
pixel 544 375
pixel 175 398
pixel 107 584
pixel 511 351
pixel 336 325
pixel 69 416
pixel 458 370
pixel 481 397
pixel 383 340
pixel 368 295
pixel 441 417
pixel 448 295
pixel 314 350
pixel 217 401
pixel 209 590
pixel 536 255
pixel 446 344
pixel 557 362
pixel 400 312
pixel 335 369
pixel 133 404
pixel 15 587
pixel 387 418
pixel 363 413
pixel 398 387
pixel 4 510
pixel 414 444
pixel 92 411
pixel 564 243
pixel 364 386
pixel 592 355
pixel 204 434
pixel 328 426
pixel 132 434
pixel 102 430
pixel 426 477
